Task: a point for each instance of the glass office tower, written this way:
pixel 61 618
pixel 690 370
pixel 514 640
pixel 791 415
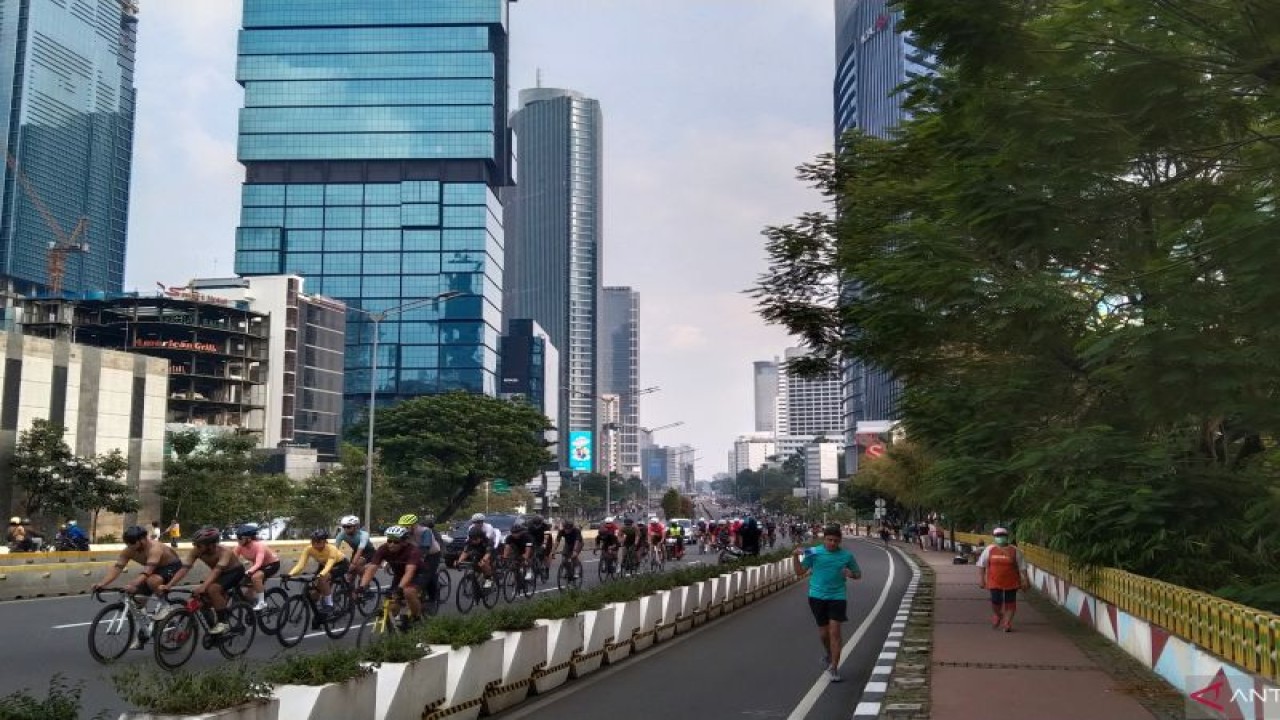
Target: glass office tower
pixel 374 140
pixel 620 369
pixel 873 59
pixel 68 100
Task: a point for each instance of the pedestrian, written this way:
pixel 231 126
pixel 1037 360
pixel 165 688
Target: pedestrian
pixel 154 533
pixel 174 531
pixel 1002 569
pixel 829 566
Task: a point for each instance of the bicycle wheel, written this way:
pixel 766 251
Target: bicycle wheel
pixel 293 621
pixel 468 592
pixel 444 582
pixel 578 572
pixel 175 638
pixel 562 577
pixel 111 632
pixel 269 619
pixel 368 603
pixel 605 570
pixel 242 628
pixel 528 586
pixel 489 595
pixel 510 580
pixel 338 621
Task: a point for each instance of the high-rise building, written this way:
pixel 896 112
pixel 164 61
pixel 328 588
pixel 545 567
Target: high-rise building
pixel 873 59
pixel 765 378
pixel 68 101
pixel 750 452
pixel 809 406
pixel 530 369
pixel 620 370
pixel 374 141
pixel 554 251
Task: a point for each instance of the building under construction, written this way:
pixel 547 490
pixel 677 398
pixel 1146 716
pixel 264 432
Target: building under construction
pixel 216 348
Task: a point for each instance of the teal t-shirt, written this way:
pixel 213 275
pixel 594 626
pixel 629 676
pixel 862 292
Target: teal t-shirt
pixel 826 576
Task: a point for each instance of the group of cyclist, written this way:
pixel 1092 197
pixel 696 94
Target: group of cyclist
pixel 411 553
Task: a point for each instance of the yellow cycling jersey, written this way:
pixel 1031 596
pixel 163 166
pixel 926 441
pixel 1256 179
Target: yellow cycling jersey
pixel 329 555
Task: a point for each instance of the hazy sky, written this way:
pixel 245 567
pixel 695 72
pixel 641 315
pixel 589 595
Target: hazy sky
pixel 709 105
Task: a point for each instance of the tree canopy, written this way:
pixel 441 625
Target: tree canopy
pixel 1067 254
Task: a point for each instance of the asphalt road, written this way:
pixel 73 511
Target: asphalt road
pixel 756 662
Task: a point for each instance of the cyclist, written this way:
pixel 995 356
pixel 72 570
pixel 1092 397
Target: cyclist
pixel 722 533
pixel 330 561
pixel 771 530
pixel 676 533
pixel 607 540
pixel 356 538
pixel 478 550
pixel 608 527
pixel 540 532
pixel 749 536
pixel 571 536
pixel 632 541
pixel 225 573
pixel 517 549
pixel 403 558
pixel 657 533
pixel 491 532
pixel 264 563
pixel 430 545
pixel 700 535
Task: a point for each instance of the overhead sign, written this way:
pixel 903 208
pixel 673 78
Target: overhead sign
pixel 580 450
pixel 501 487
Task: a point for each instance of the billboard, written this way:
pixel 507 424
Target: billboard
pixel 580 450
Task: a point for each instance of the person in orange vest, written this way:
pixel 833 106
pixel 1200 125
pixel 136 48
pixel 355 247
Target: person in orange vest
pixel 1002 569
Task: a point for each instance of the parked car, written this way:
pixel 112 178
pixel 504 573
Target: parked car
pixel 456 538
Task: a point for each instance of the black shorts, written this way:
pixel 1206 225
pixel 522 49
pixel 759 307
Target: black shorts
pixel 231 578
pixel 270 570
pixel 474 555
pixel 340 569
pixel 1002 597
pixel 164 572
pixel 420 578
pixel 828 611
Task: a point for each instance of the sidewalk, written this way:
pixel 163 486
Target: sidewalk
pixel 1036 672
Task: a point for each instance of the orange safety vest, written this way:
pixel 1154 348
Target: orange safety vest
pixel 1002 568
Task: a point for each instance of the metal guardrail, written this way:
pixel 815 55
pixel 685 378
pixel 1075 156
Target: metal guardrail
pixel 1246 637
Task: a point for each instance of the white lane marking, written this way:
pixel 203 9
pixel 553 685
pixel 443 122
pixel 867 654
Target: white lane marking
pixel 810 699
pixel 71 625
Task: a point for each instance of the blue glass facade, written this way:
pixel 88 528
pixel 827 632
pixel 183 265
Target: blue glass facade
pixel 873 59
pixel 68 100
pixel 374 140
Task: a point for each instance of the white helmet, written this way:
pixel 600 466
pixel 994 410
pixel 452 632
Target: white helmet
pixel 349 520
pixel 653 518
pixel 609 519
pixel 396 532
pixel 478 517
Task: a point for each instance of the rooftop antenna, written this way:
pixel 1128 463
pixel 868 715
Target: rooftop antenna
pixel 539 80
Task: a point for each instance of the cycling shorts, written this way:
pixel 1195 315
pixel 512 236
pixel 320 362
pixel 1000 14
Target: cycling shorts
pixel 231 578
pixel 270 570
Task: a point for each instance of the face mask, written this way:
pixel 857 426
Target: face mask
pixel 1002 540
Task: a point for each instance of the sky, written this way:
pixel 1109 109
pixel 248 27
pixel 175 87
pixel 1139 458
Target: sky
pixel 709 106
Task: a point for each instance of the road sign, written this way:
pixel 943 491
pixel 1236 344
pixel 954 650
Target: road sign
pixel 880 502
pixel 501 487
pixel 879 513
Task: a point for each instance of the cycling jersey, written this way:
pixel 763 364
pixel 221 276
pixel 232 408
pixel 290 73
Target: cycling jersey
pixel 519 543
pixel 358 541
pixel 327 556
pixel 608 540
pixel 538 533
pixel 630 536
pixel 258 555
pixel 398 557
pixel 572 539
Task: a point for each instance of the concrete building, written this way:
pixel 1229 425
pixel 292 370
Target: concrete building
pixel 374 140
pixel 305 348
pixel 66 85
pixel 106 400
pixel 765 382
pixel 216 349
pixel 530 370
pixel 822 467
pixel 620 373
pixel 751 451
pixel 554 251
pixel 809 406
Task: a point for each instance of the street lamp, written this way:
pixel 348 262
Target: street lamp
pixel 377 318
pixel 644 391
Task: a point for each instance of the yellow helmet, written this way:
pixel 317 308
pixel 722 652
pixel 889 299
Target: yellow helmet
pixel 407 520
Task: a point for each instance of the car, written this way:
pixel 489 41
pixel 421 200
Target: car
pixel 456 538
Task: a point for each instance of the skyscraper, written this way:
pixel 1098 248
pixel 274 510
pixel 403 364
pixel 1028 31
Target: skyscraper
pixel 620 369
pixel 809 406
pixel 765 382
pixel 68 99
pixel 554 251
pixel 873 59
pixel 374 141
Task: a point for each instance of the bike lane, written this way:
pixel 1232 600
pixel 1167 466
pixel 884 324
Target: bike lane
pixel 761 661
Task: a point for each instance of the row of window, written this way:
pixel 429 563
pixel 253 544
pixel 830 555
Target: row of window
pixel 365 65
pixel 409 191
pixel 416 382
pixel 375 146
pixel 269 13
pixel 308 41
pixel 345 93
pixel 369 119
pixel 473 239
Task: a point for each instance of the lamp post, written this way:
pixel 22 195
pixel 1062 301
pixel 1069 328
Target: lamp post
pixel 377 318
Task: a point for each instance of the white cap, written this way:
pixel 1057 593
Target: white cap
pixel 1000 531
pixel 478 517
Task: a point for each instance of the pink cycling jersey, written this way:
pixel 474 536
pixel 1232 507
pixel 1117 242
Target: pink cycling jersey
pixel 257 553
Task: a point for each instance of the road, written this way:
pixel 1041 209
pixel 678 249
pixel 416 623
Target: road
pixel 49 635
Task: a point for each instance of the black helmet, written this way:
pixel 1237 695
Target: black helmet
pixel 319 534
pixel 206 536
pixel 517 527
pixel 134 534
pixel 567 524
pixel 247 530
pixel 537 520
pixel 474 532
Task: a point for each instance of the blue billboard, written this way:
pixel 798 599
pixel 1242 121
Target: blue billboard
pixel 580 450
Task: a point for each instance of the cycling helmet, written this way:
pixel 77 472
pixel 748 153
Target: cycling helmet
pixel 653 518
pixel 15 520
pixel 319 534
pixel 537 520
pixel 248 530
pixel 134 534
pixel 206 536
pixel 478 517
pixel 474 532
pixel 517 527
pixel 407 520
pixel 628 521
pixel 397 532
pixel 429 521
pixel 609 519
pixel 349 520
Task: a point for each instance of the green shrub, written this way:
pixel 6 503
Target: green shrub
pixel 108 538
pixel 396 648
pixel 513 618
pixel 458 630
pixel 333 665
pixel 190 693
pixel 559 606
pixel 62 703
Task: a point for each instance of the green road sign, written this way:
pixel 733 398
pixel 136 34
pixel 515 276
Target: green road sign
pixel 501 487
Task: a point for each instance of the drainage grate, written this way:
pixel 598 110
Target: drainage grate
pixel 1014 666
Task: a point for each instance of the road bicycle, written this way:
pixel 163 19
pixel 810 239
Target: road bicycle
pixel 657 559
pixel 607 569
pixel 472 590
pixel 569 574
pixel 630 561
pixel 179 629
pixel 269 617
pixel 513 581
pixel 365 603
pixel 388 620
pixel 541 567
pixel 116 626
pixel 299 612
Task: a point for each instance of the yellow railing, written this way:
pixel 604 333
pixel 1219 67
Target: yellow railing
pixel 1243 636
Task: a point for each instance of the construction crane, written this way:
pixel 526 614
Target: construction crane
pixel 677 423
pixel 62 244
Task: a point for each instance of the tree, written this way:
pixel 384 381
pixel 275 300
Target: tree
pixel 439 448
pixel 215 480
pixel 323 498
pixel 105 489
pixel 59 484
pixel 1067 256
